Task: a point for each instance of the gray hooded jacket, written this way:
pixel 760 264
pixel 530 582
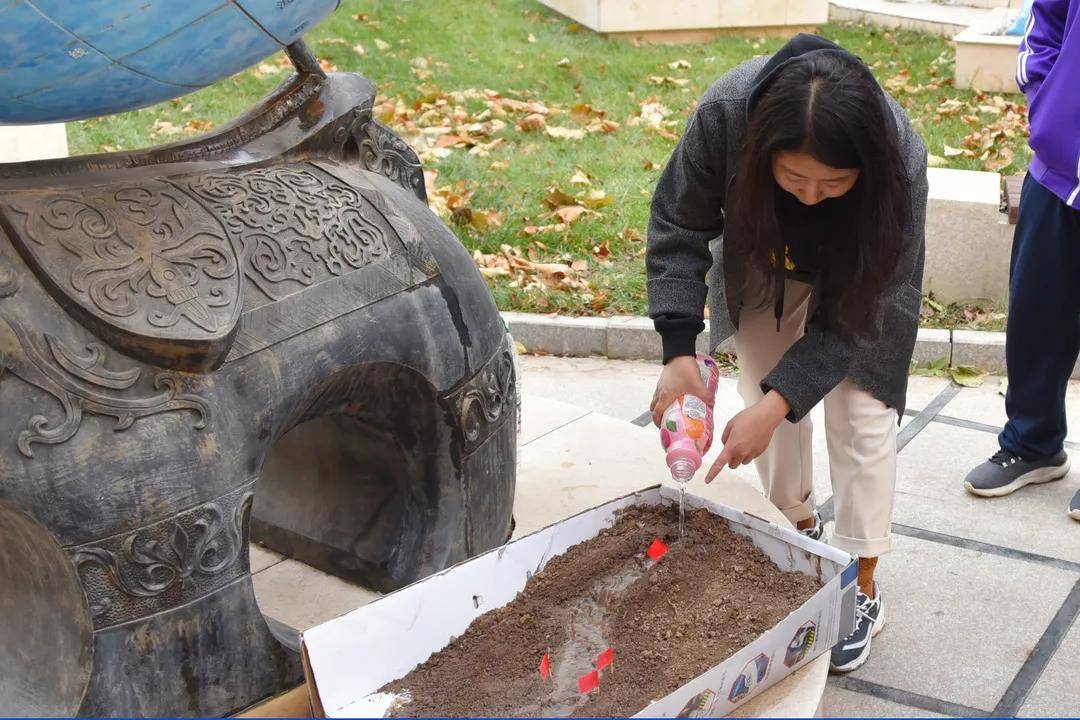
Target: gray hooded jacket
pixel 686 245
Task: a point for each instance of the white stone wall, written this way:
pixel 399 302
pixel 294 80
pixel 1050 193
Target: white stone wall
pixel 19 143
pixel 622 16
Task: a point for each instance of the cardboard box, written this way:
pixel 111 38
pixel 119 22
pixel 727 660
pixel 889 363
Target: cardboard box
pixel 349 658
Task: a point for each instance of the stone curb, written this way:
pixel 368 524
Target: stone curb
pixel 625 337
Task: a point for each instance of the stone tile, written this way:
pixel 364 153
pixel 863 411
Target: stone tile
pixel 262 558
pixel 923 390
pixel 986 405
pixel 931 495
pixel 540 415
pixel 301 596
pixel 597 458
pixel 959 623
pixel 619 388
pixel 1057 693
pixel 583 464
pixel 840 703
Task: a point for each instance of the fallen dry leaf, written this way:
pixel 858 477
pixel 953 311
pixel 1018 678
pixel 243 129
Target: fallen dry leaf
pixel 197 126
pixel 382 45
pixel 537 229
pixel 562 133
pixel 584 112
pixel 667 80
pixel 679 65
pixel 264 69
pixel 499 165
pixel 602 126
pixel 327 66
pixel 556 198
pixel 580 177
pixel 164 128
pixel 532 123
pixel 570 213
pixel 359 49
pixel 564 63
pixel 595 199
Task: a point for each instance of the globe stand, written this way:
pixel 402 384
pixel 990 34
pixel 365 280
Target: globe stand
pixel 263 331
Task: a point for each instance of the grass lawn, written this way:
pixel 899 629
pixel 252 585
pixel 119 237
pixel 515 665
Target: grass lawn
pixel 568 251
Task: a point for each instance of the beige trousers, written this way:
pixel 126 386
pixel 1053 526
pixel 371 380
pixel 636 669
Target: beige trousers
pixel 860 431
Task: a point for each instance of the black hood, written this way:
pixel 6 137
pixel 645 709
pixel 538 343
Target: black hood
pixel 796 50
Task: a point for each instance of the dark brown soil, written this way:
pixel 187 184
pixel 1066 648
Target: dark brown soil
pixel 668 622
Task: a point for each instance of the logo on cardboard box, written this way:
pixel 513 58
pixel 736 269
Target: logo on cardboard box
pixel 751 676
pixel 800 644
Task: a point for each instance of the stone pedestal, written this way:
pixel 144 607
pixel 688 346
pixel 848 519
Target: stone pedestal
pixel 985 60
pixel 692 20
pixel 19 143
pixel 968 238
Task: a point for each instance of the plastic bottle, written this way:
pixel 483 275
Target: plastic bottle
pixel 686 430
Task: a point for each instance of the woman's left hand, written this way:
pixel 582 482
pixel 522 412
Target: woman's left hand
pixel 748 434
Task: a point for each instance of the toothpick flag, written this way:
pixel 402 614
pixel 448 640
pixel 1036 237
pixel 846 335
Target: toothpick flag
pixel 656 550
pixel 605 658
pixel 545 666
pixel 589 681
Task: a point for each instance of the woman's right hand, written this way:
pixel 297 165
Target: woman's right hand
pixel 680 377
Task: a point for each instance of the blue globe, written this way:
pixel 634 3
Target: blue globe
pixel 74 59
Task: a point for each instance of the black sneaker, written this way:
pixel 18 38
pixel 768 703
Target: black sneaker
pixel 1005 473
pixel 1074 506
pixel 817 532
pixel 851 652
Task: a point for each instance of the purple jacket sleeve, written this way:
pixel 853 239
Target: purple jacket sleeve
pixel 1041 44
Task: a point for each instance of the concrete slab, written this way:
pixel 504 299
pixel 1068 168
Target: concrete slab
pixel 1057 693
pixel 922 390
pixel 931 495
pixel 301 596
pixel 840 703
pixel 981 349
pixel 585 463
pixel 541 415
pixel 932 344
pixel 595 459
pixel 959 623
pixel 620 389
pixel 261 558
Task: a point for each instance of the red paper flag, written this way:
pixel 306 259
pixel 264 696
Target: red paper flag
pixel 545 666
pixel 605 658
pixel 589 681
pixel 656 550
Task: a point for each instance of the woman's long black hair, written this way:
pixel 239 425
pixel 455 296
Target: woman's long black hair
pixel 828 105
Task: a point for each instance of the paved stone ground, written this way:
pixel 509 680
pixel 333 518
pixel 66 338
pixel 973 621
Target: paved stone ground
pixel 981 595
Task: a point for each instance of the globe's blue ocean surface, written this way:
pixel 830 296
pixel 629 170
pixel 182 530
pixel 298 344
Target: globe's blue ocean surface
pixel 75 59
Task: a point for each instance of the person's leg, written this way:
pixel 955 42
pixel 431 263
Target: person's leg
pixel 786 466
pixel 1041 345
pixel 861 434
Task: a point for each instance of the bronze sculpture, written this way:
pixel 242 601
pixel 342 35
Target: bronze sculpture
pixel 264 329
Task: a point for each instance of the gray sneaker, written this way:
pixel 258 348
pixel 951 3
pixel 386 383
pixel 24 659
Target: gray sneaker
pixel 1074 506
pixel 1005 473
